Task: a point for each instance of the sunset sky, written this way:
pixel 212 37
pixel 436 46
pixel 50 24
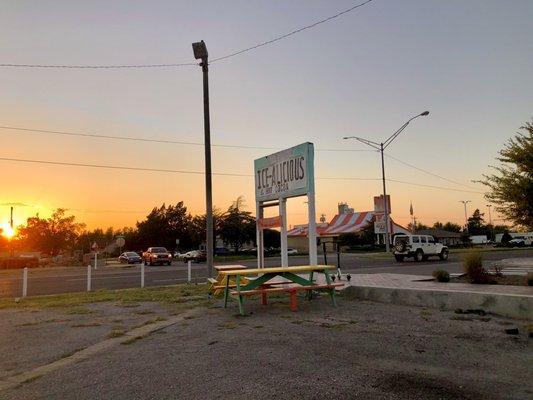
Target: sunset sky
pixel 365 73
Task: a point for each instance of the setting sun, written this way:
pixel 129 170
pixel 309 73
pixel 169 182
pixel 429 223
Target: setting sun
pixel 7 231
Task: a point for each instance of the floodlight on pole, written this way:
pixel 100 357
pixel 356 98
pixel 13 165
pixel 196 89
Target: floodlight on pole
pixel 200 53
pixel 381 147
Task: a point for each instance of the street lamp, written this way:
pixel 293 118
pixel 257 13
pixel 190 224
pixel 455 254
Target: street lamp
pixel 465 202
pixel 200 53
pixel 381 147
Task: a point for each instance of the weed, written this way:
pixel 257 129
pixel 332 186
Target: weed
pixel 473 265
pixel 132 340
pixel 441 275
pixel 87 325
pixel 116 333
pixel 144 312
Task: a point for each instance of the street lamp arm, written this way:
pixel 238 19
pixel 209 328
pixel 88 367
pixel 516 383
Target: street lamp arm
pixel 365 141
pixel 395 134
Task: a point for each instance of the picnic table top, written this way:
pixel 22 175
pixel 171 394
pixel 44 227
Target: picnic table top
pixel 229 267
pixel 255 271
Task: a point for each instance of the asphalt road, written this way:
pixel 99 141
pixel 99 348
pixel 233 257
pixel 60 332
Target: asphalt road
pixel 74 279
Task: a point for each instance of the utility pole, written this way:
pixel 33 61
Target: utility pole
pixel 200 53
pixel 11 249
pixel 385 202
pixel 490 222
pixel 465 202
pixel 490 217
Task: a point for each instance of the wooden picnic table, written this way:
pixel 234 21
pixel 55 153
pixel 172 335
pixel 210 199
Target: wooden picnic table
pixel 266 283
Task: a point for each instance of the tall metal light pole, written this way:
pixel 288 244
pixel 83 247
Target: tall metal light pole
pixel 381 147
pixel 200 53
pixel 465 202
pixel 490 222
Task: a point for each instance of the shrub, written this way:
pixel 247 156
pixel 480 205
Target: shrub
pixel 474 268
pixel 441 275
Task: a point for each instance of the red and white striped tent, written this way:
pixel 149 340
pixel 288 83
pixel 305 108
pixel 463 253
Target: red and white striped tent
pixel 346 223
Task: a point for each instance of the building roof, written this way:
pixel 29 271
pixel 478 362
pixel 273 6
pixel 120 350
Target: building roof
pixel 438 233
pixel 346 223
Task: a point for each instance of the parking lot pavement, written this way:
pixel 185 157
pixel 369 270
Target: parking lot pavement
pixel 359 350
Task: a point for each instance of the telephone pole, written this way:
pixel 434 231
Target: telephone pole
pixel 200 53
pixel 465 202
pixel 11 249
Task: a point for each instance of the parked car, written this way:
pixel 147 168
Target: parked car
pixel 178 255
pixel 195 255
pixel 157 255
pixel 221 251
pixel 291 252
pixel 517 242
pixel 420 247
pixel 129 257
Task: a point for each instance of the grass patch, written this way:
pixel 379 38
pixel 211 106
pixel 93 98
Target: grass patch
pixel 132 340
pixel 79 311
pixel 70 353
pixel 116 333
pixel 161 294
pixel 29 324
pixel 143 312
pixel 29 380
pixel 87 325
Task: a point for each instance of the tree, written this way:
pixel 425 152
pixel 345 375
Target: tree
pixel 476 224
pixel 511 186
pixel 3 241
pixel 237 226
pixel 52 235
pixel 451 227
pixel 271 238
pixel 164 225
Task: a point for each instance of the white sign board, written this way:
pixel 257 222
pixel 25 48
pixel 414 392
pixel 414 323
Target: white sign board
pixel 288 173
pixel 379 227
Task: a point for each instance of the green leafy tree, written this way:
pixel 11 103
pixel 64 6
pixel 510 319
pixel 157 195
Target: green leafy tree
pixel 51 235
pixel 511 186
pixel 237 226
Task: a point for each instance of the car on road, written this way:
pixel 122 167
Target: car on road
pixel 419 247
pixel 157 255
pixel 195 255
pixel 292 252
pixel 129 257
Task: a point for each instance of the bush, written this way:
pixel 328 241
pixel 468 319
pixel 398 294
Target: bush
pixel 441 275
pixel 474 268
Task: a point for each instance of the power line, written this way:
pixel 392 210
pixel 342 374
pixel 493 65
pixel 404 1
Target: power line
pixel 286 35
pixel 432 186
pixel 429 173
pixel 118 167
pixel 139 139
pixel 236 53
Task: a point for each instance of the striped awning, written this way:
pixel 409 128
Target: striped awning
pixel 302 230
pixel 349 223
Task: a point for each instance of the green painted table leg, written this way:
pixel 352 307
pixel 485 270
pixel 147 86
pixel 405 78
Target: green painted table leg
pixel 241 298
pixel 309 294
pixel 226 292
pixel 332 290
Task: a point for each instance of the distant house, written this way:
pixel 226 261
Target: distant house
pixel 445 237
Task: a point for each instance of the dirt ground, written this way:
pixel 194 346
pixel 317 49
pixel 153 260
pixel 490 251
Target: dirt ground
pixel 360 350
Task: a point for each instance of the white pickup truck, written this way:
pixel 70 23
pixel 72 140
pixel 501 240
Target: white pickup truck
pixel 420 247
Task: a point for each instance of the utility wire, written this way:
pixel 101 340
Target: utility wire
pixel 428 172
pixel 294 32
pixel 117 167
pixel 138 139
pixel 236 53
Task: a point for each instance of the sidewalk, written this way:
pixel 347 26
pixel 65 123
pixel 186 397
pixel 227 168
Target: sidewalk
pixel 416 290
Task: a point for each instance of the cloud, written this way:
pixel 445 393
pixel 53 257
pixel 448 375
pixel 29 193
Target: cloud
pixel 15 205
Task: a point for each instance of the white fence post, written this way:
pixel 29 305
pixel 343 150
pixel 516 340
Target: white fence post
pixel 88 278
pixel 95 260
pixel 189 271
pixel 25 282
pixel 142 275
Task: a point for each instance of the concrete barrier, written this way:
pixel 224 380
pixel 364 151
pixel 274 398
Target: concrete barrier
pixel 507 305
